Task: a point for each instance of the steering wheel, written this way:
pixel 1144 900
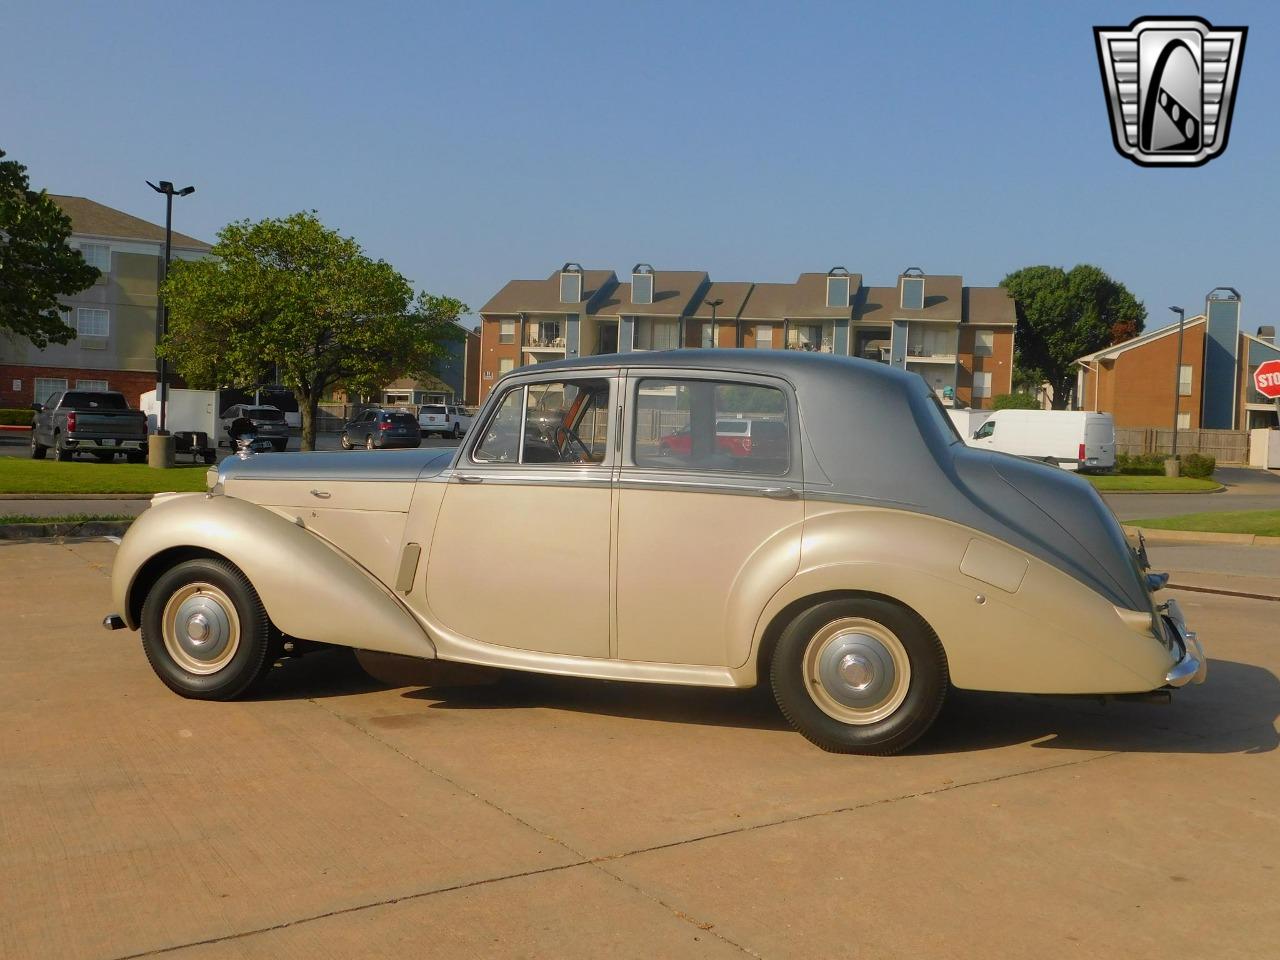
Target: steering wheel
pixel 562 437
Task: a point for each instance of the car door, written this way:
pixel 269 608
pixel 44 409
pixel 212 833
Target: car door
pixel 707 531
pixel 521 548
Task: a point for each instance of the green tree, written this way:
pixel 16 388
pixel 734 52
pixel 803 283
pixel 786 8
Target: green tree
pixel 36 265
pixel 1015 401
pixel 297 295
pixel 1064 314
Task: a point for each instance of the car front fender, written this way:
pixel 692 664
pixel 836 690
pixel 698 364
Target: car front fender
pixel 310 589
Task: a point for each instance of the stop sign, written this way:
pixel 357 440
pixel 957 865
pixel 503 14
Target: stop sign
pixel 1267 379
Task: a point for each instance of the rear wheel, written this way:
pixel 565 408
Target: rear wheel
pixel 205 631
pixel 62 453
pixel 860 676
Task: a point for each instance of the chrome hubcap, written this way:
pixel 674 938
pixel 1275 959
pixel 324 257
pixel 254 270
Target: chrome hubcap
pixel 857 670
pixel 201 628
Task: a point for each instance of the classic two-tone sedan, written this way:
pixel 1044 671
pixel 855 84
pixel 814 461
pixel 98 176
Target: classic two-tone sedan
pixel 863 561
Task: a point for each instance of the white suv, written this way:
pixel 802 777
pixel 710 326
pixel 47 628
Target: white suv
pixel 447 420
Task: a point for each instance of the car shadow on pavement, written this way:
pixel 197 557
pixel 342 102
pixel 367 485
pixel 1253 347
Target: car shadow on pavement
pixel 1234 712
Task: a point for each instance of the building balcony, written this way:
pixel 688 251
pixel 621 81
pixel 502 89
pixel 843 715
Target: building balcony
pixel 923 355
pixel 554 345
pixel 824 347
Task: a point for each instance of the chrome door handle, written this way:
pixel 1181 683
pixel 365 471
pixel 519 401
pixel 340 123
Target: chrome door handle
pixel 322 494
pixel 469 478
pixel 779 493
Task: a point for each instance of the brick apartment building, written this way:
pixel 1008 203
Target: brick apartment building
pixel 960 339
pixel 1134 381
pixel 115 319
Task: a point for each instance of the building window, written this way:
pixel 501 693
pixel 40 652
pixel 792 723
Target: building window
pixel 708 336
pixel 506 331
pixel 544 333
pixel 837 291
pixel 642 283
pixel 764 336
pixel 805 336
pixel 506 365
pixel 913 293
pixel 47 387
pixel 930 340
pixel 1184 380
pixel 571 283
pixel 1184 421
pixel 92 385
pixel 92 322
pixel 984 342
pixel 981 385
pixel 657 334
pixel 97 255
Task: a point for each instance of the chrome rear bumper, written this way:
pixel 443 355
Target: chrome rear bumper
pixel 1192 664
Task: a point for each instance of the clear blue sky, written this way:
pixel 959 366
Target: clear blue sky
pixel 471 143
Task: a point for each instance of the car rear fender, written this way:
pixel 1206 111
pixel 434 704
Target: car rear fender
pixel 310 589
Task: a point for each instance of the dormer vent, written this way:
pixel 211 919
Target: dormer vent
pixel 912 280
pixel 642 283
pixel 838 287
pixel 571 283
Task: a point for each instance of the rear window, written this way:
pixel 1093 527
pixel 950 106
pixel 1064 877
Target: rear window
pixel 81 400
pixel 402 418
pixel 439 410
pixel 263 413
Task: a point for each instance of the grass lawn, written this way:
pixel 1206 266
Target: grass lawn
pixel 1115 483
pixel 50 476
pixel 1261 523
pixel 8 518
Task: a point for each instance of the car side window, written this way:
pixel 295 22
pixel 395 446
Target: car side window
pixel 984 431
pixel 713 426
pixel 563 422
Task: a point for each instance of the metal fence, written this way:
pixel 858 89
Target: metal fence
pixel 1227 446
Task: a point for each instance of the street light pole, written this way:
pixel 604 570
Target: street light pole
pixel 162 314
pixel 713 304
pixel 1177 379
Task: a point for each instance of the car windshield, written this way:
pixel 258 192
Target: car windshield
pixel 263 413
pixel 78 400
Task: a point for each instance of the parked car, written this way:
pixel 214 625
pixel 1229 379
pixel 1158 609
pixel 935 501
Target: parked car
pixel 1071 439
pixel 380 429
pixel 446 419
pixel 268 423
pixel 861 580
pixel 737 438
pixel 88 421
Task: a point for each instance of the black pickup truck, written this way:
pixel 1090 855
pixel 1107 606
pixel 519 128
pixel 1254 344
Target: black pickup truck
pixel 90 421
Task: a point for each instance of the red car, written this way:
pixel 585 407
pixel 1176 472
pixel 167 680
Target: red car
pixel 732 436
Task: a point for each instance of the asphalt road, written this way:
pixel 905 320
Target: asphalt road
pixel 333 816
pixel 1247 489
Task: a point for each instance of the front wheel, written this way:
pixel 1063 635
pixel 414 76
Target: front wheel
pixel 860 676
pixel 38 450
pixel 205 631
pixel 368 443
pixel 457 431
pixel 345 442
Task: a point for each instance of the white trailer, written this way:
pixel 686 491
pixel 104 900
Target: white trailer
pixel 191 416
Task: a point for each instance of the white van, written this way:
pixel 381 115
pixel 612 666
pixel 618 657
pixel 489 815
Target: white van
pixel 1073 439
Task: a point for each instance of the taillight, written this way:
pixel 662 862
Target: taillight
pixel 384 425
pixel 1081 452
pixel 71 421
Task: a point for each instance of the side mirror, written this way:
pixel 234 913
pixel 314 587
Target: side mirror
pixel 37 407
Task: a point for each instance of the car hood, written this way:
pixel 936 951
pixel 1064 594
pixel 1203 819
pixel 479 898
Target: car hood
pixel 403 465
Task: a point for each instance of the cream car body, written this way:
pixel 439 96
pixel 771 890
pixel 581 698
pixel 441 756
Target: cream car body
pixel 618 565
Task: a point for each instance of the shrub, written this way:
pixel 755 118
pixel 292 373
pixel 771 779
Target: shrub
pixel 15 417
pixel 1140 464
pixel 1198 465
pixel 1015 401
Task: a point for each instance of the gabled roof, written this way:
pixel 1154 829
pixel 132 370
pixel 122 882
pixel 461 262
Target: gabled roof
pixel 734 293
pixel 674 292
pixel 92 219
pixel 1113 351
pixel 543 296
pixel 806 299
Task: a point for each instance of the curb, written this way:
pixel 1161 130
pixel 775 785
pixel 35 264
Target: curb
pixel 76 496
pixel 1222 593
pixel 58 531
pixel 1199 536
pixel 1221 488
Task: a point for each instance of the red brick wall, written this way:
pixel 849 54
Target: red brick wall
pixel 132 383
pixel 492 352
pixel 1137 389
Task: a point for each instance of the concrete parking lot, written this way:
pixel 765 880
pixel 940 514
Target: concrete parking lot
pixel 334 816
